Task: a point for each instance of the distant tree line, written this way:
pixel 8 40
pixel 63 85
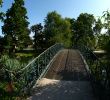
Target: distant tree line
pixel 86 30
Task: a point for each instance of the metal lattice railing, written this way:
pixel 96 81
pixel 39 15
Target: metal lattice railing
pixel 98 73
pixel 23 80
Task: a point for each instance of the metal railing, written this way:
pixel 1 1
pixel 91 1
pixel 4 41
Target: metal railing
pixel 22 81
pixel 98 73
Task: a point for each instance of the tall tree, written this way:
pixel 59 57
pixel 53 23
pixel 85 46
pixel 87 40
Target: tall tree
pixel 97 30
pixel 103 40
pixel 0 2
pixel 83 32
pixel 1 44
pixel 57 29
pixel 52 23
pixel 1 13
pixel 38 35
pixel 15 28
pixel 98 26
pixel 106 16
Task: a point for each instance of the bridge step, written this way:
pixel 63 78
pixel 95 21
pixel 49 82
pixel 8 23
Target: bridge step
pixel 50 89
pixel 68 65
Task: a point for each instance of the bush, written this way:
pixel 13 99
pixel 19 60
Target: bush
pixel 11 63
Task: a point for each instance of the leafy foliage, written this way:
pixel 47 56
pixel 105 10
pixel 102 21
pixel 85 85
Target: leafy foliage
pixel 15 26
pixel 82 28
pixel 106 16
pixel 11 63
pixel 102 41
pixel 2 15
pixel 98 27
pixel 0 2
pixel 38 36
pixel 1 44
pixel 57 29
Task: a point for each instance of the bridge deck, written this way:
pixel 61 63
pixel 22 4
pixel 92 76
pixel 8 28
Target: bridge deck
pixel 67 79
pixel 68 65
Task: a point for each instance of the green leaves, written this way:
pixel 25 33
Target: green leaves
pixel 57 29
pixel 11 63
pixel 106 16
pixel 82 27
pixel 98 27
pixel 0 2
pixel 38 35
pixel 16 25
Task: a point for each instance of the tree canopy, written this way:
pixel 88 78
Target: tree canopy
pixel 15 28
pixel 1 13
pixel 38 35
pixel 0 2
pixel 57 29
pixel 82 28
pixel 106 16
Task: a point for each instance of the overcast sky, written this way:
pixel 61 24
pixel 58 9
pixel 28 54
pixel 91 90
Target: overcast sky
pixel 38 9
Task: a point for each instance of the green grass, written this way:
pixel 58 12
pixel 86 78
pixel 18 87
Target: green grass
pixel 24 54
pixel 25 57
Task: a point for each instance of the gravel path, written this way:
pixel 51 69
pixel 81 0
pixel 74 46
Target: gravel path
pixel 66 79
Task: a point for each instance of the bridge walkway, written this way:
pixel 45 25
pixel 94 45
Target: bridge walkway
pixel 67 79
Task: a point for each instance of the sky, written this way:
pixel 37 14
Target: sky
pixel 38 9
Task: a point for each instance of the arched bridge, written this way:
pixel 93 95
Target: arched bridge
pixel 62 74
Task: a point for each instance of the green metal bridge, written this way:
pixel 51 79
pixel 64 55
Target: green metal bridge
pixel 61 74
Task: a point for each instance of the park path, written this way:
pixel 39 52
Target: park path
pixel 67 79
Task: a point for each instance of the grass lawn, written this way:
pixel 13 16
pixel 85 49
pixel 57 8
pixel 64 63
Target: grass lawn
pixel 26 56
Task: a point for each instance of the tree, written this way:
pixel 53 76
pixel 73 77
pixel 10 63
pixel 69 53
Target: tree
pixel 52 23
pixel 15 28
pixel 103 40
pixel 66 32
pixel 97 30
pixel 57 29
pixel 98 27
pixel 106 16
pixel 1 13
pixel 0 2
pixel 1 44
pixel 83 32
pixel 38 35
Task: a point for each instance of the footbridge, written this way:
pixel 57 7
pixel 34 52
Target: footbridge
pixel 61 74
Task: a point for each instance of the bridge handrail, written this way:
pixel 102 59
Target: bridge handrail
pixel 98 72
pixel 38 56
pixel 24 79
